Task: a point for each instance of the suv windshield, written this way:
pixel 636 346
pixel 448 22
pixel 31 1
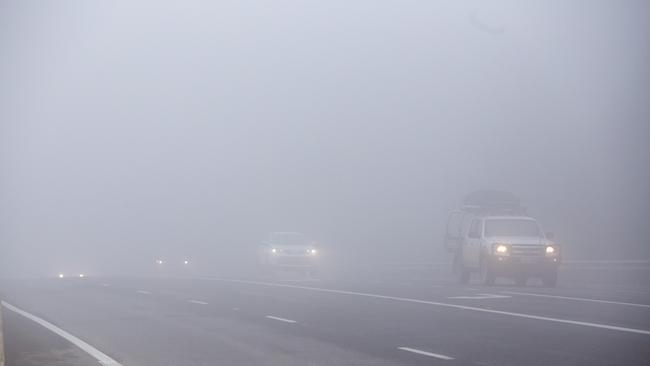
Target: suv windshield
pixel 289 239
pixel 511 227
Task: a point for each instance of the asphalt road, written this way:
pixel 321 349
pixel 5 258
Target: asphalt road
pixel 291 320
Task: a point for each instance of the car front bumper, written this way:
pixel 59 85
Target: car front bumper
pixel 293 261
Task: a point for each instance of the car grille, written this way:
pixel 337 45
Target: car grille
pixel 294 261
pixel 527 250
pixel 294 251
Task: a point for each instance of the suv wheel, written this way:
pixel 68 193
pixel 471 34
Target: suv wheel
pixel 486 273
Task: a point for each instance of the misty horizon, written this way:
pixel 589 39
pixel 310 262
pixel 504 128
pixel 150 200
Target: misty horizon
pixel 131 130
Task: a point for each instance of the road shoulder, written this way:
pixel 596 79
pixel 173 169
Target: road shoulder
pixel 29 344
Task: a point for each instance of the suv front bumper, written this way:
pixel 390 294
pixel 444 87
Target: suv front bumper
pixel 528 265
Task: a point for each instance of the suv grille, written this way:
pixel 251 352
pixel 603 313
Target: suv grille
pixel 527 250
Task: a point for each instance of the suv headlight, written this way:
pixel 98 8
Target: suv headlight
pixel 551 250
pixel 501 249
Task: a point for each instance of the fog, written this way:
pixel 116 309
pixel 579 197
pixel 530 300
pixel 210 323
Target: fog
pixel 131 130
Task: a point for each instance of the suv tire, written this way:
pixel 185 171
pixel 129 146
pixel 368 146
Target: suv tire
pixel 486 273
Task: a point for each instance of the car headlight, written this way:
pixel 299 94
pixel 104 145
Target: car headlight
pixel 61 275
pixel 312 251
pixel 501 249
pixel 551 250
pixel 186 262
pixel 274 251
pixel 81 275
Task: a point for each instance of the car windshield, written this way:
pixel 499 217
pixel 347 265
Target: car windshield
pixel 289 239
pixel 511 227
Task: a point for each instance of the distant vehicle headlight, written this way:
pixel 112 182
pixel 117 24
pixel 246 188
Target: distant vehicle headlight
pixel 550 250
pixel 81 275
pixel 159 261
pixel 274 251
pixel 312 251
pixel 61 275
pixel 186 262
pixel 501 248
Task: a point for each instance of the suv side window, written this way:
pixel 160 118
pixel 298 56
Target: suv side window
pixel 475 229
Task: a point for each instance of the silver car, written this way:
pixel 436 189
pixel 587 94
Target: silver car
pixel 288 251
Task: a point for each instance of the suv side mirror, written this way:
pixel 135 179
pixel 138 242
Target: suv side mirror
pixel 550 235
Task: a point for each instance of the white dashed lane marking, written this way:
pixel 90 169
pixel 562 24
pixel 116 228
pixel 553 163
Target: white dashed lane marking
pixel 144 292
pixel 425 353
pixel 198 302
pixel 280 319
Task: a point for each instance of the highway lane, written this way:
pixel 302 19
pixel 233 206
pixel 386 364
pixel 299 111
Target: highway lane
pixel 205 321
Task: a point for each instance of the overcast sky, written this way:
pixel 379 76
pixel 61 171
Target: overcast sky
pixel 131 128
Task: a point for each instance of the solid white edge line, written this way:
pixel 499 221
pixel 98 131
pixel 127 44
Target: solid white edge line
pixel 441 304
pixel 198 302
pixel 94 352
pixel 144 292
pixel 576 298
pixel 430 354
pixel 280 319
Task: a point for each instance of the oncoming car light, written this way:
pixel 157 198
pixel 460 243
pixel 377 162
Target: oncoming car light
pixel 312 251
pixel 61 275
pixel 273 250
pixel 550 250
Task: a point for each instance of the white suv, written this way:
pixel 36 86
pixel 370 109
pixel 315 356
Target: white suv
pixel 505 246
